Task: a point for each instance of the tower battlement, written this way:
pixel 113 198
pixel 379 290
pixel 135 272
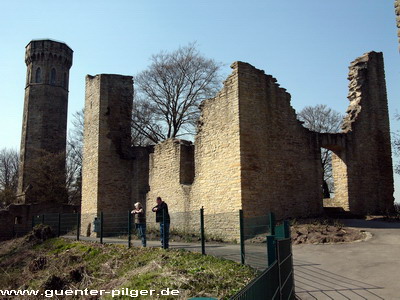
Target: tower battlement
pixel 38 50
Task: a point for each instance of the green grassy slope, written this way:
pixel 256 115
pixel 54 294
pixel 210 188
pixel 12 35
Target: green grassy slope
pixel 59 264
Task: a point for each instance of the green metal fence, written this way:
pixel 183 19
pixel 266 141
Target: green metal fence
pixel 276 281
pixel 264 286
pixel 201 232
pixel 62 224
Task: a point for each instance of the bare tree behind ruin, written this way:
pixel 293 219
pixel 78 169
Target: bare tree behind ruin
pixel 9 159
pixel 169 92
pixel 48 184
pixel 74 158
pixel 321 118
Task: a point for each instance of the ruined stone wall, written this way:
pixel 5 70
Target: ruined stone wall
pixel 17 219
pixel 280 160
pixel 216 184
pixel 107 154
pixel 251 153
pixel 164 176
pixel 368 153
pixel 340 179
pixel 140 174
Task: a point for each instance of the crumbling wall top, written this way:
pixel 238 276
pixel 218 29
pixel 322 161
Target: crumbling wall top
pixel 358 90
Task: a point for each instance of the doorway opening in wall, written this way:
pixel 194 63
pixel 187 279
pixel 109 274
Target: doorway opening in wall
pixel 335 183
pixel 328 184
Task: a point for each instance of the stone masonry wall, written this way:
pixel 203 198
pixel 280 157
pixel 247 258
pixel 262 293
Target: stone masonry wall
pixel 17 219
pixel 107 155
pixel 90 163
pixel 140 174
pixel 216 184
pixel 340 179
pixel 280 160
pixel 164 177
pixel 250 153
pixel 368 153
pixel 44 127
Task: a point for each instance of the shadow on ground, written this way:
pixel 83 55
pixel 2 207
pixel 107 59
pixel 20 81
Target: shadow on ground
pixel 313 282
pixel 375 224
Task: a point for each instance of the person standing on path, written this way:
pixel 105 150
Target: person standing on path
pixel 140 222
pixel 162 217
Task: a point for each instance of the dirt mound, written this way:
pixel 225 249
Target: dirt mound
pixel 39 233
pixel 77 274
pixel 54 282
pixel 323 234
pixel 38 264
pixel 317 231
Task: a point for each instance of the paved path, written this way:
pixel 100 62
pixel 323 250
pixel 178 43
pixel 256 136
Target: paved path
pixel 362 270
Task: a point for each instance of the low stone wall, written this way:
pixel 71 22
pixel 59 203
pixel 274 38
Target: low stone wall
pixel 17 219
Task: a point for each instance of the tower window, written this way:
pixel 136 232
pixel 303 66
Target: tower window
pixel 65 80
pixel 53 76
pixel 28 77
pixel 18 220
pixel 38 77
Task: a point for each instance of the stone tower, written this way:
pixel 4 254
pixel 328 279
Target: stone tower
pixel 107 154
pixel 44 128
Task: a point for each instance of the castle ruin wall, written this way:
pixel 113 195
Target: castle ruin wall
pixel 107 154
pixel 368 153
pixel 250 153
pixel 280 160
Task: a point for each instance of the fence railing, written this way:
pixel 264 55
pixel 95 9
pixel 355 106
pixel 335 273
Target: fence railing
pixel 277 280
pixel 198 228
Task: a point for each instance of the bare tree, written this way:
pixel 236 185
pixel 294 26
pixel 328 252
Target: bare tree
pixel 74 158
pixel 169 92
pixel 321 118
pixel 9 159
pixel 47 181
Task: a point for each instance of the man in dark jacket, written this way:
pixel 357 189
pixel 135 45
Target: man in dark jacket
pixel 162 217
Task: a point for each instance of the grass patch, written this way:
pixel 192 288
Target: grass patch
pixel 58 263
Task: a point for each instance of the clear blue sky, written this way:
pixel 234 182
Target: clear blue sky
pixel 307 45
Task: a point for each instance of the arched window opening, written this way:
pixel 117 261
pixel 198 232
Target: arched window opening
pixel 38 77
pixel 53 77
pixel 65 80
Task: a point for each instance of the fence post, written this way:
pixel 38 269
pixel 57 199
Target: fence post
pixel 203 245
pixel 101 227
pixel 59 225
pixel 78 225
pixel 242 253
pixel 272 223
pixel 43 219
pixel 33 221
pixel 286 229
pixel 271 249
pixel 129 228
